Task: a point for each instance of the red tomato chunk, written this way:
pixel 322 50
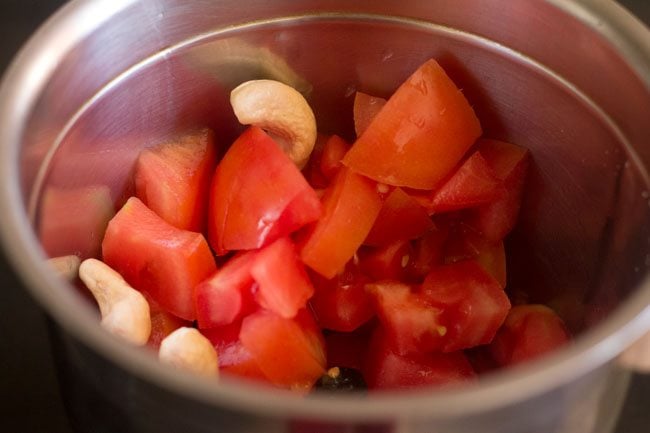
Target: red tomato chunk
pixel 157 258
pixel 258 195
pixel 388 252
pixel 420 135
pixel 173 178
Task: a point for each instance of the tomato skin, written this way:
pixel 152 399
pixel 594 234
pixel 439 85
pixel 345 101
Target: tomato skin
pixel 401 217
pixel 227 295
pixel 257 196
pixel 472 303
pixel 172 179
pixel 385 369
pixel 528 332
pixel 388 262
pixel 420 135
pixel 157 258
pixel 472 184
pixel 365 109
pixel 290 352
pixel 333 152
pixel 510 164
pixel 466 243
pixel 234 358
pixel 350 207
pixel 410 323
pixel 72 221
pixel 284 286
pixel 342 303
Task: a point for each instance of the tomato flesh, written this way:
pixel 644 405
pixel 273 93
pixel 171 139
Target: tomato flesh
pixel 401 217
pixel 388 262
pixel 473 304
pixel 350 207
pixel 473 184
pixel 157 258
pixel 333 152
pixel 162 323
pixel 234 358
pixel 342 303
pixel 258 195
pixel 228 294
pixel 420 135
pixel 173 179
pixel 411 324
pixel 284 286
pixel 290 352
pixel 466 243
pixel 510 164
pixel 386 369
pixel 528 332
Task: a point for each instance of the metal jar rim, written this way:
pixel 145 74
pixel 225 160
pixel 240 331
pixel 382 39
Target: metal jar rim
pixel 19 91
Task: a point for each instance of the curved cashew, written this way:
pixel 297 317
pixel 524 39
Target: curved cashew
pixel 125 312
pixel 187 349
pixel 282 111
pixel 66 267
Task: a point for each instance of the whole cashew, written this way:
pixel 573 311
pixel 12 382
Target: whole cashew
pixel 124 310
pixel 282 111
pixel 66 267
pixel 187 349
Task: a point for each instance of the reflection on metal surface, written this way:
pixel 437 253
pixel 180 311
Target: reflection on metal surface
pixel 232 61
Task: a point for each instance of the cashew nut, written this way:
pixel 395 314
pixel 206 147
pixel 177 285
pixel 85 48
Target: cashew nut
pixel 280 110
pixel 124 310
pixel 66 266
pixel 187 349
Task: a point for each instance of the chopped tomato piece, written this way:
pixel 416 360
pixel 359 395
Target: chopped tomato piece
pixel 333 152
pixel 312 171
pixel 510 163
pixel 401 217
pixel 427 252
pixel 387 369
pixel 365 109
pixel 157 258
pixel 411 324
pixel 162 323
pixel 350 207
pixel 234 358
pixel 227 295
pixel 173 179
pixel 473 304
pixel 386 263
pixel 528 332
pixel 258 195
pixel 341 303
pixel 466 243
pixel 420 135
pixel 290 352
pixel 473 184
pixel 73 221
pixel 284 286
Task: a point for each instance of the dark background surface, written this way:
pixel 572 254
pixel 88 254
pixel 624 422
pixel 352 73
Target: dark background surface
pixel 30 400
